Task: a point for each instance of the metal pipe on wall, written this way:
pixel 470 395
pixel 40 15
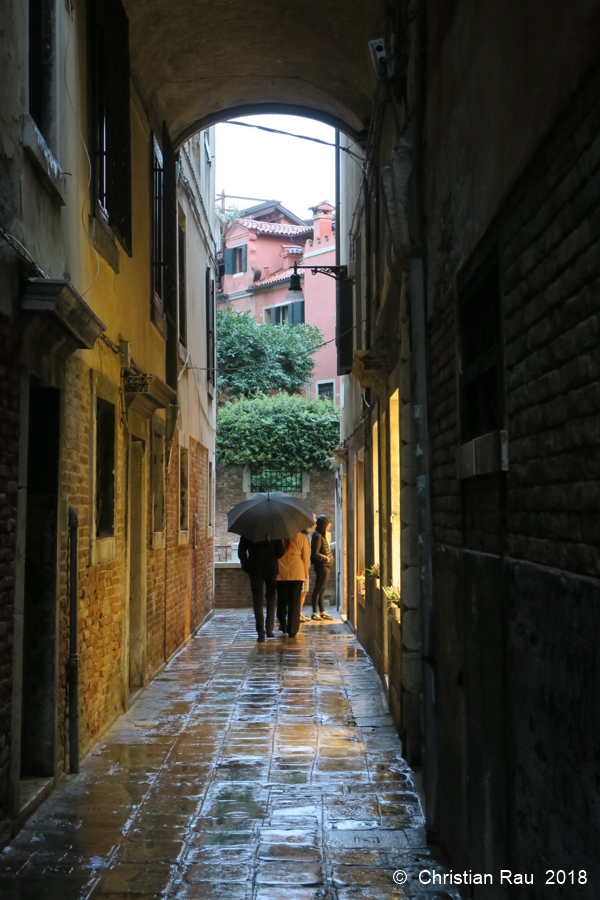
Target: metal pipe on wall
pixel 73 655
pixel 418 283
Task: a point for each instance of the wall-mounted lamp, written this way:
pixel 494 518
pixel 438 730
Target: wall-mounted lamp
pixel 340 273
pixel 344 325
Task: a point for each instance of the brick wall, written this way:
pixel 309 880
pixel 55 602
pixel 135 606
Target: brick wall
pixel 549 250
pixel 517 555
pixel 179 577
pixel 232 587
pixel 551 290
pixel 9 442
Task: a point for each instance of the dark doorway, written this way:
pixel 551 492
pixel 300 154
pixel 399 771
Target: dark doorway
pixel 39 625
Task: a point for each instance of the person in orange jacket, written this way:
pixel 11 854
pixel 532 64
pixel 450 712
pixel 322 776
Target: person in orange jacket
pixel 293 571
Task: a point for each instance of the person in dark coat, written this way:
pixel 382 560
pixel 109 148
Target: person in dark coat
pixel 260 561
pixel 321 557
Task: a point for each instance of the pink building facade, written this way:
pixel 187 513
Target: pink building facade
pixel 259 253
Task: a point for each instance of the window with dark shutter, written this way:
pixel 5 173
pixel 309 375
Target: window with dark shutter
pixel 181 284
pixel 157 225
pixel 41 65
pixel 481 388
pixel 170 241
pixel 111 126
pixel 230 261
pixel 210 327
pixel 344 339
pixel 296 315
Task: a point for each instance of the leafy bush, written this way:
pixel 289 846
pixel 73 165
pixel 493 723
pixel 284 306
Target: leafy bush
pixel 282 431
pixel 254 358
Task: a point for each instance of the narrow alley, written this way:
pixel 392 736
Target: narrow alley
pixel 246 771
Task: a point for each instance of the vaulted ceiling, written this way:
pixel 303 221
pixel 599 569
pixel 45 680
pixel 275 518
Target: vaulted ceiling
pixel 200 61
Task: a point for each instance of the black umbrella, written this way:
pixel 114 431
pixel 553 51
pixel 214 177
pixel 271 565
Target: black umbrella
pixel 269 517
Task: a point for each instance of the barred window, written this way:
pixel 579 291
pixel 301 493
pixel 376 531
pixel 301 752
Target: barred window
pixel 266 480
pixel 325 390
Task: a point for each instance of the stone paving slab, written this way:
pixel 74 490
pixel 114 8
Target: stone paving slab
pixel 245 771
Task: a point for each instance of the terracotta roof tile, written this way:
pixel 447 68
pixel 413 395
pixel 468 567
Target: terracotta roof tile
pixel 274 227
pixel 282 275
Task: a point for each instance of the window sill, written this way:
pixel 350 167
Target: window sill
pixel 44 163
pixel 483 455
pixel 184 537
pixel 103 241
pixel 158 540
pixel 103 550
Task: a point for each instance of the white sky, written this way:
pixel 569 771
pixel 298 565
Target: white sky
pixel 254 163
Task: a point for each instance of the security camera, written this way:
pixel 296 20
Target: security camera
pixel 379 57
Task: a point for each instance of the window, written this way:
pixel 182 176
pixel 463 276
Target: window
pixel 266 480
pixel 210 498
pixel 111 129
pixel 236 259
pixel 286 314
pixel 157 224
pixel 209 287
pixel 41 65
pixel 105 468
pixel 181 279
pixel 480 354
pixel 325 390
pixel 158 475
pixel 208 161
pixel 183 488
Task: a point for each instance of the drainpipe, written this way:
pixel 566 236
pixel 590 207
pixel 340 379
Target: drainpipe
pixel 73 656
pixel 421 412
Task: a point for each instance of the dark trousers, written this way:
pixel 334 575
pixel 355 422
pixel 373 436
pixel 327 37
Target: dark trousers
pixel 263 586
pixel 288 606
pixel 322 577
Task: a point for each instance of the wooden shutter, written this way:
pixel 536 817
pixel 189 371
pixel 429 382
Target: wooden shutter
pixel 343 325
pixel 210 326
pixel 244 257
pixel 230 261
pixel 118 137
pixel 297 312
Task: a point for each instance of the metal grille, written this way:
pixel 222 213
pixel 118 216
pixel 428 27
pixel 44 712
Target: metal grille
pixel 274 480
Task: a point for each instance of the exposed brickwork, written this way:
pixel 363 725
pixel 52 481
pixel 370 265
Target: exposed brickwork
pixel 232 588
pixel 551 287
pixel 549 251
pixel 9 444
pixel 179 579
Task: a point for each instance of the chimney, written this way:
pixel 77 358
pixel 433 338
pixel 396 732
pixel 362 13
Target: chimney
pixel 323 223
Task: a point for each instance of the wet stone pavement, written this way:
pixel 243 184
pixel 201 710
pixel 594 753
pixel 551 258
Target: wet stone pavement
pixel 246 771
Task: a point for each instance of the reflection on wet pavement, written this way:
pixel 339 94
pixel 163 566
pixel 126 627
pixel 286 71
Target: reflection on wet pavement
pixel 246 771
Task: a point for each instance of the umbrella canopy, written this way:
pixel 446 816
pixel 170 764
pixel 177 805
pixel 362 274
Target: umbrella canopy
pixel 269 517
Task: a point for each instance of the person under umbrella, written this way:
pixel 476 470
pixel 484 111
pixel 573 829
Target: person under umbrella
pixel 322 560
pixel 260 562
pixel 293 571
pixel 263 522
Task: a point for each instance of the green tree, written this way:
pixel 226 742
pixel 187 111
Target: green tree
pixel 254 358
pixel 281 431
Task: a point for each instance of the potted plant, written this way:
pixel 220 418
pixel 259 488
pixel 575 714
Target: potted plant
pixel 393 597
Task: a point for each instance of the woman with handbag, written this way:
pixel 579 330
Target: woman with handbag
pixel 322 560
